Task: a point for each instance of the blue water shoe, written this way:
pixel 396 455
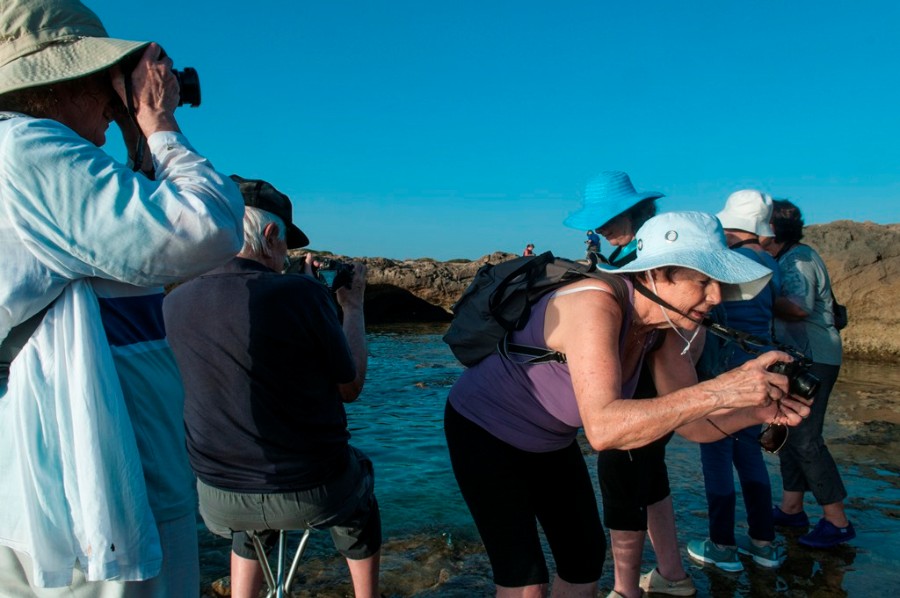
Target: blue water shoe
pixel 827 535
pixel 789 520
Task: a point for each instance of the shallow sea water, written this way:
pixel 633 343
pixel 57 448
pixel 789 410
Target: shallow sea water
pixel 432 549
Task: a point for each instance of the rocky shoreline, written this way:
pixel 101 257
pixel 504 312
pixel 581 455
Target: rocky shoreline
pixel 863 260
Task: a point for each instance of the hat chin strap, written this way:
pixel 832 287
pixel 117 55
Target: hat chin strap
pixel 663 306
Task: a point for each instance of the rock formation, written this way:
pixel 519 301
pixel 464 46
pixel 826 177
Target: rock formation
pixel 863 260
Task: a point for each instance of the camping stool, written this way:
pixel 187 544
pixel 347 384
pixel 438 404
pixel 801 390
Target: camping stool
pixel 280 586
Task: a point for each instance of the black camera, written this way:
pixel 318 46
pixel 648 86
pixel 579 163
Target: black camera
pixel 803 383
pixel 189 84
pixel 335 273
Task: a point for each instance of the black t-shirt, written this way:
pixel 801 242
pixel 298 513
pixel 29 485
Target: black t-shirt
pixel 261 355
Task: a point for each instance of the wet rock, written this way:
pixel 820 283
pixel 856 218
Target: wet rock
pixel 863 260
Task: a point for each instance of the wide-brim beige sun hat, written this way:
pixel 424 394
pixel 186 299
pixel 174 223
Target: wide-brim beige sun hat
pixel 696 240
pixel 47 41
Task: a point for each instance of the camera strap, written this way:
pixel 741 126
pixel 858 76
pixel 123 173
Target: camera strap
pixel 747 342
pixel 132 114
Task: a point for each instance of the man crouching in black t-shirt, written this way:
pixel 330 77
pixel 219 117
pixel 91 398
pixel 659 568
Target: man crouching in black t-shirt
pixel 267 367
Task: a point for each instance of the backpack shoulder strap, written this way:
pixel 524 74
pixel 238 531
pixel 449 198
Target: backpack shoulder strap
pixel 566 272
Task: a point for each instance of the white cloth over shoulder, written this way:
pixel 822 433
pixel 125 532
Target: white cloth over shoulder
pixel 67 440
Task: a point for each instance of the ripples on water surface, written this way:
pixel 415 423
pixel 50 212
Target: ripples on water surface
pixel 431 546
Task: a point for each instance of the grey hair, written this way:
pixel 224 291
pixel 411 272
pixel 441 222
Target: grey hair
pixel 255 223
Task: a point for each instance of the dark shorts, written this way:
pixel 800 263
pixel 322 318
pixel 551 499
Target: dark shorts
pixel 510 491
pixel 345 505
pixel 630 481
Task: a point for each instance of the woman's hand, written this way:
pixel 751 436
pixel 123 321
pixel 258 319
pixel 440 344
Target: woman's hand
pixel 790 411
pixel 155 92
pixel 767 392
pixel 752 384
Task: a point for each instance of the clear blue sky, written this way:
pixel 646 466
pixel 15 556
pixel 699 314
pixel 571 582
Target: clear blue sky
pixel 412 128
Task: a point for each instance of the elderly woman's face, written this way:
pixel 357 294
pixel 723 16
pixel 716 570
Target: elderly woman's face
pixel 89 111
pixel 690 292
pixel 618 231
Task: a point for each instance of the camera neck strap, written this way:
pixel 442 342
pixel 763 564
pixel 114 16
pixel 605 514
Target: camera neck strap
pixel 139 145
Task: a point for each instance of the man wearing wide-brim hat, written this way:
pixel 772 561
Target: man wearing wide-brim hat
pixel 95 488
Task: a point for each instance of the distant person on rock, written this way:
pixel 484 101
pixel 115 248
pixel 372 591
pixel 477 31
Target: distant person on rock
pixel 267 368
pixel 805 320
pixel 529 249
pixel 592 246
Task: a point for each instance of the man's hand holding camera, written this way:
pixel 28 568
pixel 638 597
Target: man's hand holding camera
pixel 155 92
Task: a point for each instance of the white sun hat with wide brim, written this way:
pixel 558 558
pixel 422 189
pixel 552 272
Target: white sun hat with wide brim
pixel 47 41
pixel 696 240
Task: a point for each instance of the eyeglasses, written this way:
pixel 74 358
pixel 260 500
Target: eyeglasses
pixel 772 439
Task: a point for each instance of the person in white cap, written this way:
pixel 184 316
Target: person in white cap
pixel 512 428
pixel 746 217
pixel 96 492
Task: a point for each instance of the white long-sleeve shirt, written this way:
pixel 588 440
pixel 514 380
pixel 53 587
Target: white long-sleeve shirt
pixel 69 212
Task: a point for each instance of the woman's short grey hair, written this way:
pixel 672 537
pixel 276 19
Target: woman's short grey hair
pixel 255 223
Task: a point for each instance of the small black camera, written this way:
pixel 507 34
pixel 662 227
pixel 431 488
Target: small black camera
pixel 189 84
pixel 335 274
pixel 803 383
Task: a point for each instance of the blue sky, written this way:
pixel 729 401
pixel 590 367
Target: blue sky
pixel 446 129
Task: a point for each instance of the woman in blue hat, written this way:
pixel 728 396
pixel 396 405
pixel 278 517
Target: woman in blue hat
pixel 614 209
pixel 634 484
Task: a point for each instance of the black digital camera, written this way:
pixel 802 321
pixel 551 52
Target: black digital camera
pixel 803 383
pixel 334 273
pixel 188 81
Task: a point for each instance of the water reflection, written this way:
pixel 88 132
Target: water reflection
pixel 398 421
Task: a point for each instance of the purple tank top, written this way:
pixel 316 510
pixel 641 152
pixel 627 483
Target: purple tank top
pixel 531 407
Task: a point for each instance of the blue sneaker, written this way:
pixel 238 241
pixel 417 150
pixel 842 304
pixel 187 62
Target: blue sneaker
pixel 793 520
pixel 827 535
pixel 723 557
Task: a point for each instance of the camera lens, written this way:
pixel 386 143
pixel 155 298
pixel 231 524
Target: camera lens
pixel 804 384
pixel 189 84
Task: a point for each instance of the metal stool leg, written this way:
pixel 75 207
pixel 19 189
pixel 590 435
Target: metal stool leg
pixel 301 548
pixel 279 587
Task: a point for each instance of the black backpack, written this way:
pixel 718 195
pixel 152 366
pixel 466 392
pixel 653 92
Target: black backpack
pixel 499 300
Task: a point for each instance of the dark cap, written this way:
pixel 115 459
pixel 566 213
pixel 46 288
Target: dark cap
pixel 262 195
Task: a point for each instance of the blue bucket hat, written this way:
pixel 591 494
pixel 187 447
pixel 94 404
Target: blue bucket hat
pixel 606 196
pixel 697 241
